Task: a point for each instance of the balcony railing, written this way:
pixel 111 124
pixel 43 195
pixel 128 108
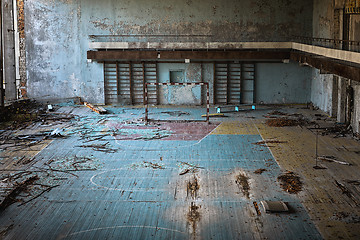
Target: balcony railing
pixel 348 45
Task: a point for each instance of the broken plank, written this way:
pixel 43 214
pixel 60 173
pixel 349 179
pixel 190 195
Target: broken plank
pixel 99 110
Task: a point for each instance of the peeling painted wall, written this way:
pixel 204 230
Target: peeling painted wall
pixel 190 95
pixel 279 83
pixel 321 91
pixel 58 33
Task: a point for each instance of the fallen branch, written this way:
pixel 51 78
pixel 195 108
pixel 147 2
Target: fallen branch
pixel 44 191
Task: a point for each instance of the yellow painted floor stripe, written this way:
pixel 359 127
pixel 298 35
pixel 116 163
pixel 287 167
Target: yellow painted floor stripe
pixel 321 197
pixel 236 128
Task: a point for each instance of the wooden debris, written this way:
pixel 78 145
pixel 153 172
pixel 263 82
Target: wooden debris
pixel 257 208
pixel 265 142
pixel 19 187
pixel 344 189
pixel 332 159
pixel 100 147
pixel 153 165
pixel 99 110
pixel 290 182
pixel 260 171
pixel 215 115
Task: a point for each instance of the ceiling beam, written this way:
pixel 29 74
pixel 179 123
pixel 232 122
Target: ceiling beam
pixel 194 55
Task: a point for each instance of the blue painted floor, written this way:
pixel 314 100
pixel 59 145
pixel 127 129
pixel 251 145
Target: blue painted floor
pixel 135 190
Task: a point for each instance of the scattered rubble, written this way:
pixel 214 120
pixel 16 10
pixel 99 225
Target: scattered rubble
pixel 290 182
pixel 346 217
pixel 243 183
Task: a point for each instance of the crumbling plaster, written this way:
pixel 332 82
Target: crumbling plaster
pixel 58 33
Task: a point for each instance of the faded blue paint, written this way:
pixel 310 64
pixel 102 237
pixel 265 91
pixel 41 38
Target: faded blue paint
pixel 280 83
pixel 57 33
pixel 180 94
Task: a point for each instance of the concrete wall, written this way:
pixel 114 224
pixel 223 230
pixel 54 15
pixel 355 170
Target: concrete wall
pixel 178 95
pixel 57 33
pixel 356 113
pixel 278 83
pixel 322 91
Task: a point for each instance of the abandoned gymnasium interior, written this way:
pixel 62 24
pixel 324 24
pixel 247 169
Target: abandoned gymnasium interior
pixel 207 119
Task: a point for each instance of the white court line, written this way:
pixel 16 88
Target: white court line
pixel 114 227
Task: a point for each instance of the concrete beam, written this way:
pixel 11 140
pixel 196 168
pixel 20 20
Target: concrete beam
pixel 8 45
pixel 190 45
pixel 327 65
pixel 194 55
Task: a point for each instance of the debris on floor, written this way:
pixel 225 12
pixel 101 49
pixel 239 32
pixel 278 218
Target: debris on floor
pixel 275 112
pixel 332 159
pixel 260 171
pixel 214 115
pixel 346 217
pixel 290 182
pixel 265 143
pixel 147 164
pixel 175 113
pixel 193 216
pixel 188 168
pixel 99 110
pixel 274 206
pixel 193 187
pixel 18 188
pixel 100 147
pixel 74 163
pixel 283 122
pixel 257 209
pixel 346 191
pixel 243 183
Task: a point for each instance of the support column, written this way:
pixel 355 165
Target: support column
pixel 8 47
pixel 342 99
pixel 334 97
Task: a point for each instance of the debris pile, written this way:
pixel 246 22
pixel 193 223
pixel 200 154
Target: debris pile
pixel 283 122
pixel 22 111
pixel 243 182
pixel 290 182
